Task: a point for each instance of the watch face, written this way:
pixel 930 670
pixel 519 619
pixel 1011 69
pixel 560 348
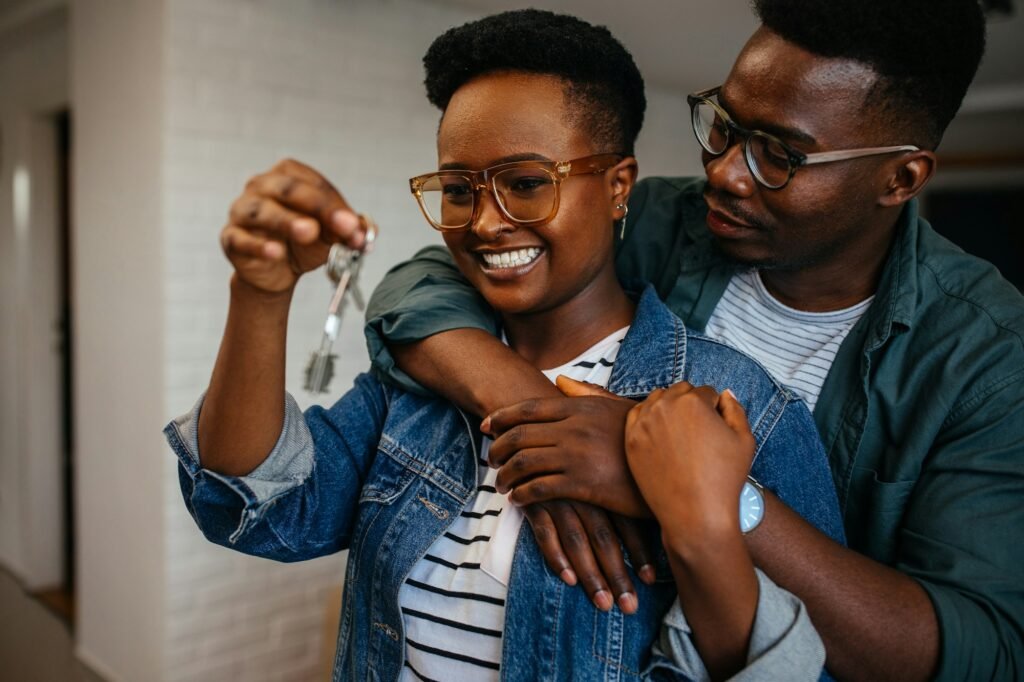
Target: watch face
pixel 751 507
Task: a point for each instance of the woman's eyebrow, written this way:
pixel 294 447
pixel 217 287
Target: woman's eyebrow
pixel 527 156
pixel 780 131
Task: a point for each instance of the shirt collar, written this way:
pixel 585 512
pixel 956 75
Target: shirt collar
pixel 896 298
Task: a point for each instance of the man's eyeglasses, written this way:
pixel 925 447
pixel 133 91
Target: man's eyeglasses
pixel 771 161
pixel 526 192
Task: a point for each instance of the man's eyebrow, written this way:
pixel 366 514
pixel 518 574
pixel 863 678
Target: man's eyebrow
pixel 527 156
pixel 780 131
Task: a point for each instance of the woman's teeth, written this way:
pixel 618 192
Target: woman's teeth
pixel 511 259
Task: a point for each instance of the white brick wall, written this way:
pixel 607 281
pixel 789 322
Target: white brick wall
pixel 338 85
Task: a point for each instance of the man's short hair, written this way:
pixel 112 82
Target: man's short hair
pixel 602 83
pixel 925 52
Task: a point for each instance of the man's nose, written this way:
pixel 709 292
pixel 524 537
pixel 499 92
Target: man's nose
pixel 490 222
pixel 729 172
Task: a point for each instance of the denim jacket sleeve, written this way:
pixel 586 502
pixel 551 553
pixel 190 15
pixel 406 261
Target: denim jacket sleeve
pixel 300 502
pixel 419 298
pixel 783 643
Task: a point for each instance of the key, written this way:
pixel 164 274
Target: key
pixel 343 266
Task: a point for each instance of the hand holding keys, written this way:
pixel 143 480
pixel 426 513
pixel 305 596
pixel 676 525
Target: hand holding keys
pixel 343 266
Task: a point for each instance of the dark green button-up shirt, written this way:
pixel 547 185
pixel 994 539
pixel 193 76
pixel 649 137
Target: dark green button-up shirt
pixel 922 413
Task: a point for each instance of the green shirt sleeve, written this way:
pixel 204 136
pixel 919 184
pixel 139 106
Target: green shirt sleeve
pixel 419 298
pixel 962 535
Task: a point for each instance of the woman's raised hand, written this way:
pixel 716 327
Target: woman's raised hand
pixel 283 225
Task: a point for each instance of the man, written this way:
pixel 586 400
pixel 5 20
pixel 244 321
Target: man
pixel 910 351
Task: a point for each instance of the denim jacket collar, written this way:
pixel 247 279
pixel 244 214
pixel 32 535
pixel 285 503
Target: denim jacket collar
pixel 653 353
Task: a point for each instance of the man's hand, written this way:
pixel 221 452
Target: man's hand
pixel 577 539
pixel 566 448
pixel 283 225
pixel 689 450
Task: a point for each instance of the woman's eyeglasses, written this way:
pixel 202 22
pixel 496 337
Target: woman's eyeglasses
pixel 526 192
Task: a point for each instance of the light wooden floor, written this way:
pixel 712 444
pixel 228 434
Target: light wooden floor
pixel 35 645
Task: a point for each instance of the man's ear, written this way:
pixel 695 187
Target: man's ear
pixel 622 177
pixel 909 174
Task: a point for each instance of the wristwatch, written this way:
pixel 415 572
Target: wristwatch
pixel 751 505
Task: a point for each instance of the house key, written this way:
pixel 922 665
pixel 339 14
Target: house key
pixel 343 265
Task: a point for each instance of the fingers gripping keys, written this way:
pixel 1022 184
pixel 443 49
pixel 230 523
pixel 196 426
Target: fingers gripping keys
pixel 343 266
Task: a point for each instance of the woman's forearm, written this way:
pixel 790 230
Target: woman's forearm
pixel 243 412
pixel 718 592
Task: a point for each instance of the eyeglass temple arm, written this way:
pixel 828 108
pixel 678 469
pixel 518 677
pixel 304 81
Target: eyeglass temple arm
pixel 826 157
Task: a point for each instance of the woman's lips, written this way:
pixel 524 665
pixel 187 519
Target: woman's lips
pixel 509 264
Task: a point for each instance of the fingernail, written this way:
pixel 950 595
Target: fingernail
pixel 273 250
pixel 603 600
pixel 730 394
pixel 485 425
pixel 304 228
pixel 647 574
pixel 628 602
pixel 345 222
pixel 568 577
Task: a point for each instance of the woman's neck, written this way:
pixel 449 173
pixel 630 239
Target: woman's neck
pixel 555 336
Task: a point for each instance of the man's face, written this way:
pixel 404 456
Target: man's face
pixel 824 215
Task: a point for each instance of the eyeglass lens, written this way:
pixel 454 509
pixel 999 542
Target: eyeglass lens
pixel 526 195
pixel 767 158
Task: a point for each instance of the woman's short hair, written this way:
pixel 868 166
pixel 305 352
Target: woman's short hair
pixel 602 83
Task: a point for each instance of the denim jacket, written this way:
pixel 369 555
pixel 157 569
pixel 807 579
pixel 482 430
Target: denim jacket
pixel 384 472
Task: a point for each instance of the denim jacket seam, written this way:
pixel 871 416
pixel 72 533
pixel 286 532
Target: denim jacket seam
pixel 424 470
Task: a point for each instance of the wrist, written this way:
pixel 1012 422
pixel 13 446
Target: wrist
pixel 703 548
pixel 245 293
pixel 692 536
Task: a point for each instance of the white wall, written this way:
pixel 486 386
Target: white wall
pixel 33 80
pixel 118 287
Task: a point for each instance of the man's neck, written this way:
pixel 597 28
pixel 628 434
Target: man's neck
pixel 836 282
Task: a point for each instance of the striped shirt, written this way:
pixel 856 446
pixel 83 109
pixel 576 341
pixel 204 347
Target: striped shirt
pixel 453 601
pixel 795 346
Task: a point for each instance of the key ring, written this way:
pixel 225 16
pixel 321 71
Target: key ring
pixel 342 257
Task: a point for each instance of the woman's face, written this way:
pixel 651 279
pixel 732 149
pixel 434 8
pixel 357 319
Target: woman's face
pixel 514 116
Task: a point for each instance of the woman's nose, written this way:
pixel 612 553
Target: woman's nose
pixel 490 222
pixel 729 172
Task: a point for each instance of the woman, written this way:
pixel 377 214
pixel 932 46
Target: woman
pixel 540 114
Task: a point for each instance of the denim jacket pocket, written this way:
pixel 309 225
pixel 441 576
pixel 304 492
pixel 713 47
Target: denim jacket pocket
pixel 387 479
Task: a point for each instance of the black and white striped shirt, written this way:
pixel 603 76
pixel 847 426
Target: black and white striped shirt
pixel 453 601
pixel 795 346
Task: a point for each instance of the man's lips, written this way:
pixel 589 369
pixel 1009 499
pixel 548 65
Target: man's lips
pixel 726 225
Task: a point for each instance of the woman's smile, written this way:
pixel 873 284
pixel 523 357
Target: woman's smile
pixel 509 263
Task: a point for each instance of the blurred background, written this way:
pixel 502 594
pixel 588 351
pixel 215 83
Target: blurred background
pixel 126 129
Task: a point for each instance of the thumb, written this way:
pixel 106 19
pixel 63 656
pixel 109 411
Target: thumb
pixel 576 389
pixel 732 412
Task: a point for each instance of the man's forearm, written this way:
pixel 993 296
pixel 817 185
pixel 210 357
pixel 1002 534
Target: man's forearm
pixel 877 623
pixel 472 369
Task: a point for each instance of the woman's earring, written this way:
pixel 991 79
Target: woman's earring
pixel 625 212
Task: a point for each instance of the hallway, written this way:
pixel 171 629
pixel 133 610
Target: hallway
pixel 35 645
